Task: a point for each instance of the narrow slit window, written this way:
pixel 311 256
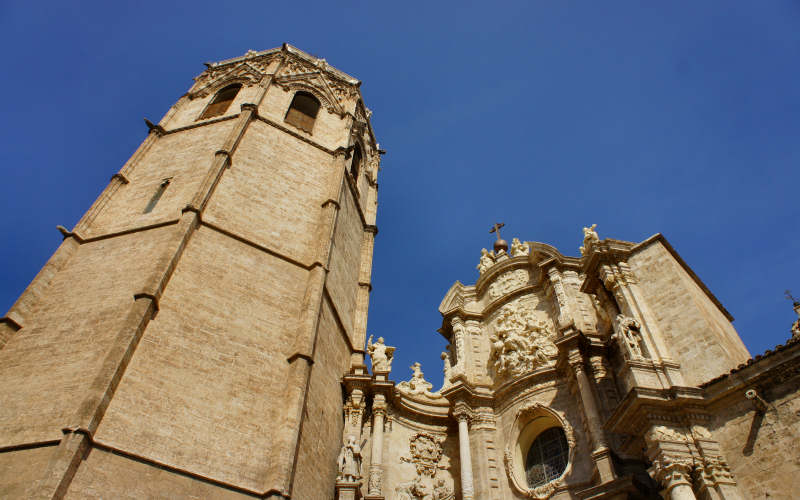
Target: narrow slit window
pixel 221 102
pixel 156 196
pixel 355 166
pixel 303 111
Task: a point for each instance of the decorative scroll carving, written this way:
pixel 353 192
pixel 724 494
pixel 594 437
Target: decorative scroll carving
pixel 590 237
pixel 349 461
pixel 521 342
pixel 487 261
pixel 427 457
pixel 507 282
pixel 519 248
pixel 417 386
pixel 525 414
pixel 381 355
pixel 629 337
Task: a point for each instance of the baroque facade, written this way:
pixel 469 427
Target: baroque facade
pixel 201 333
pixel 616 374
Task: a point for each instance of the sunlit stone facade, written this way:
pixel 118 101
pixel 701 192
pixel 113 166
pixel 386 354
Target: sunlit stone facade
pixel 200 333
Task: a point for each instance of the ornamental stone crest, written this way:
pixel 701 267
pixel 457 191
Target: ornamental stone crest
pixel 427 457
pixel 521 341
pixel 417 386
pixel 507 282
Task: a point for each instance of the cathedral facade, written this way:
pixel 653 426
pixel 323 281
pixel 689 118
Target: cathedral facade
pixel 201 333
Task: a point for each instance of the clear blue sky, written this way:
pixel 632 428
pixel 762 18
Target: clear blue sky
pixel 643 117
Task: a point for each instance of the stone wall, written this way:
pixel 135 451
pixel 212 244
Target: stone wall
pixel 322 423
pixel 695 330
pixel 762 446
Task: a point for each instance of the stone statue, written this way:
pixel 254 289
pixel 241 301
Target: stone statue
pixel 447 368
pixel 487 261
pixel 590 237
pixel 518 248
pixel 417 386
pixel 381 355
pixel 349 461
pixel 629 337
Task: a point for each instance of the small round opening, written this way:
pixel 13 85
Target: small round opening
pixel 547 457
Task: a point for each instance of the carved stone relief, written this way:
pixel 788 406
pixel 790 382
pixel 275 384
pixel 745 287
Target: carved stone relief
pixel 507 282
pixel 427 458
pixel 522 340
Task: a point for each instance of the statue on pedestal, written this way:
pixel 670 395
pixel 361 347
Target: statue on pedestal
pixel 381 355
pixel 349 461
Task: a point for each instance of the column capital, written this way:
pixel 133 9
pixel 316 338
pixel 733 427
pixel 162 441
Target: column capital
pixel 462 412
pixel 672 471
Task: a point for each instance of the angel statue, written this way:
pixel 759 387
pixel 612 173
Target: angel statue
pixel 519 248
pixel 349 461
pixel 487 260
pixel 381 355
pixel 590 237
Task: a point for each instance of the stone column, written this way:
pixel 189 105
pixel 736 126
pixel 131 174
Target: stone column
pixel 375 482
pixel 467 488
pixel 601 453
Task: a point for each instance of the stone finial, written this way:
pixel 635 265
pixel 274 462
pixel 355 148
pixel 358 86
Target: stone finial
pixel 590 237
pixel 381 355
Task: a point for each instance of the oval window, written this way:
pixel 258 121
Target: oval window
pixel 547 457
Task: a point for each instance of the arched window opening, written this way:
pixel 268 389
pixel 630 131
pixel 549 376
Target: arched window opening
pixel 221 102
pixel 355 165
pixel 547 457
pixel 303 111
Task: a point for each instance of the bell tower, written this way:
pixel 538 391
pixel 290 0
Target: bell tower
pixel 188 337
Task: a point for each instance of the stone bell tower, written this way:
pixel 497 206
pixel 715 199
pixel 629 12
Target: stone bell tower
pixel 188 337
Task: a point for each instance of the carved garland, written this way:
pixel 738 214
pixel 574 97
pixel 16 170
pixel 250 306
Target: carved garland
pixel 525 414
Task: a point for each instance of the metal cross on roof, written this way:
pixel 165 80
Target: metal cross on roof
pixel 496 229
